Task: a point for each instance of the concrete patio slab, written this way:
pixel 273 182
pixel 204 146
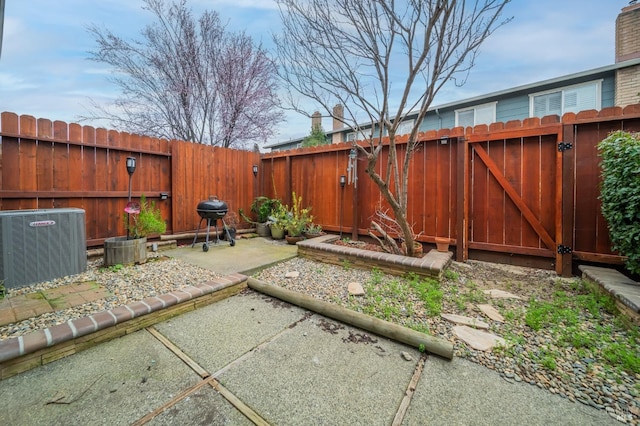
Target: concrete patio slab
pixel 204 407
pixel 324 372
pixel 459 392
pixel 215 337
pixel 114 383
pixel 246 257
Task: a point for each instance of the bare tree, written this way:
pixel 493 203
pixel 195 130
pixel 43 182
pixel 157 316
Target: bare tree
pixel 189 79
pixel 381 59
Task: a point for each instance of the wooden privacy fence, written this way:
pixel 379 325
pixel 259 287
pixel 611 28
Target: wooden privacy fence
pixel 54 164
pixel 526 190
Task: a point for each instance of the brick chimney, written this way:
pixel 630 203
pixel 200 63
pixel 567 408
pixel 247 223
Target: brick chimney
pixel 316 120
pixel 628 33
pixel 627 48
pixel 338 113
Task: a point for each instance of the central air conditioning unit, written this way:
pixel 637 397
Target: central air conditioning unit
pixel 40 245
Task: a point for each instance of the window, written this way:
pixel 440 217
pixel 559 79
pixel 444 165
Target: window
pixel 351 137
pixel 566 99
pixel 480 114
pixel 405 127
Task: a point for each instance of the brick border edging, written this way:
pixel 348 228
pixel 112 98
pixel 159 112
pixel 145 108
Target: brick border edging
pixel 40 347
pixel 431 264
pixel 616 284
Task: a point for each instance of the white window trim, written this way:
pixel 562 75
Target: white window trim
pixel 405 123
pixel 351 136
pixel 474 108
pixel 598 84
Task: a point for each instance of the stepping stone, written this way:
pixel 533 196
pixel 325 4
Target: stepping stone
pixel 355 289
pixel 292 274
pixel 459 319
pixel 479 340
pixel 499 294
pixel 491 312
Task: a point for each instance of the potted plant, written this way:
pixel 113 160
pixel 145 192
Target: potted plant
pixel 313 230
pixel 142 219
pixel 442 244
pixel 262 207
pixel 277 221
pixel 297 220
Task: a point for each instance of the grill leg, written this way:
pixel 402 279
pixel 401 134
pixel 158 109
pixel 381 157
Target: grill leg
pixel 197 230
pixel 208 226
pixel 226 231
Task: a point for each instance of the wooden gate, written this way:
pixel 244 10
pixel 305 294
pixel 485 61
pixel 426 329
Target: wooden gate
pixel 514 184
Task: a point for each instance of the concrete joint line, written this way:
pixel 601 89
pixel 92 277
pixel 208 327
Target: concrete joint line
pixel 178 352
pixel 236 402
pixel 187 392
pixel 260 346
pixel 408 395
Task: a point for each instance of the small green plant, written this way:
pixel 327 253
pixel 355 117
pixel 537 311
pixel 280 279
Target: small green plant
pixel 3 291
pixel 376 276
pixel 113 268
pixel 313 229
pixel 297 217
pixel 422 348
pixel 450 275
pixel 147 221
pixel 620 193
pixel 346 265
pixel 549 362
pixel 429 291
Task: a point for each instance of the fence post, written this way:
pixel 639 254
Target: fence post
pixel 462 196
pixel 567 184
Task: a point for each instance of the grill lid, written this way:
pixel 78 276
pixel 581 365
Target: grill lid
pixel 212 208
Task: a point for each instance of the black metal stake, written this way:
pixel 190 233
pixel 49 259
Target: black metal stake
pixel 131 167
pixel 343 181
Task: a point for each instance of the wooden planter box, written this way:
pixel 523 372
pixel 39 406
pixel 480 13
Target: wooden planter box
pixel 121 251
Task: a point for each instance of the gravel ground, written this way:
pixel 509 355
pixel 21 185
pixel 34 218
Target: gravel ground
pixel 159 275
pixel 580 378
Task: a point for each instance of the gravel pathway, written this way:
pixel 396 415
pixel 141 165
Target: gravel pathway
pixel 572 375
pixel 158 276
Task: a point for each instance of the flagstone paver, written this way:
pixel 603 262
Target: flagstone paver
pixel 18 308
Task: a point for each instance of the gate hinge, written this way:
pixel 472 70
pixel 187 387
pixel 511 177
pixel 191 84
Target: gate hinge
pixel 563 146
pixel 564 249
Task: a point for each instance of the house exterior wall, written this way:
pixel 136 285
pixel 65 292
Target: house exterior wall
pixel 628 86
pixel 515 106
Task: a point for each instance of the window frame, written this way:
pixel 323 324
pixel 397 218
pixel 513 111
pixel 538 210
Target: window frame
pixel 492 105
pixel 598 98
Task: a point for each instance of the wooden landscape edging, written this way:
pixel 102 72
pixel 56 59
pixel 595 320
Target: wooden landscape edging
pixel 377 326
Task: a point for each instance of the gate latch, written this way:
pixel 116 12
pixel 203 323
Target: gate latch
pixel 563 146
pixel 564 249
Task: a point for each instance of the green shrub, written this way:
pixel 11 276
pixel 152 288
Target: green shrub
pixel 620 194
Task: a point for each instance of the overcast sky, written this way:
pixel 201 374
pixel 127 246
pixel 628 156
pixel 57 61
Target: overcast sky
pixel 44 69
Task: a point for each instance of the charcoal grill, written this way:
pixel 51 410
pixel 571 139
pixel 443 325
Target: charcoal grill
pixel 211 210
